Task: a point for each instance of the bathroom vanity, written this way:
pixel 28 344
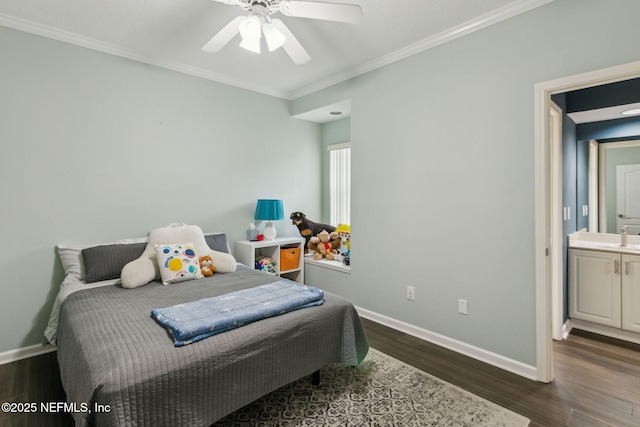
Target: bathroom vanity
pixel 604 284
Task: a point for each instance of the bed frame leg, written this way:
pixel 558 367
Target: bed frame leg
pixel 315 380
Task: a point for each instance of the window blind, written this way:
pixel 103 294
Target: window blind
pixel 340 183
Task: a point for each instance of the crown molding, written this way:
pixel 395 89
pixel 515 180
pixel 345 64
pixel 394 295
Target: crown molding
pixel 425 44
pixel 428 43
pixel 93 44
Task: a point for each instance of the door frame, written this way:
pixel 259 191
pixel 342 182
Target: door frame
pixel 555 218
pixel 544 183
pixel 594 185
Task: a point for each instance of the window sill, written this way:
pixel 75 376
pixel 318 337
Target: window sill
pixel 325 263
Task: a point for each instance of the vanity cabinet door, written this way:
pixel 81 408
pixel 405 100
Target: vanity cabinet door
pixel 631 293
pixel 594 287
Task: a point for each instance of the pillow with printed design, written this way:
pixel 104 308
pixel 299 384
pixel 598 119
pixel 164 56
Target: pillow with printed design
pixel 178 263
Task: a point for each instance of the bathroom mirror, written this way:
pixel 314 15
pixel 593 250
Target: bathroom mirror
pixel 616 176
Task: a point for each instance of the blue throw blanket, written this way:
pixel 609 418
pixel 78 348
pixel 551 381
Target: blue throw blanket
pixel 197 320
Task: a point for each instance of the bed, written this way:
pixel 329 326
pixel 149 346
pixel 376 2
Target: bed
pixel 115 358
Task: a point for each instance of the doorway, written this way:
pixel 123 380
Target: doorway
pixel 546 204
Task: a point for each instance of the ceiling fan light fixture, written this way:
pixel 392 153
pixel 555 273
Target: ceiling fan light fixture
pixel 274 37
pixel 276 33
pixel 252 45
pixel 251 32
pixel 632 112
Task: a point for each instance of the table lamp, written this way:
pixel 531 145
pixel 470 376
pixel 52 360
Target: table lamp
pixel 269 210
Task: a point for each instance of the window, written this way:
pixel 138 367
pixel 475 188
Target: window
pixel 340 183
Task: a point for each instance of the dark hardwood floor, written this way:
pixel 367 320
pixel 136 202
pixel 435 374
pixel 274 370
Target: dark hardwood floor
pixel 32 380
pixel 597 381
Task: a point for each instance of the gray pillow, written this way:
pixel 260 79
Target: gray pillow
pixel 106 261
pixel 218 242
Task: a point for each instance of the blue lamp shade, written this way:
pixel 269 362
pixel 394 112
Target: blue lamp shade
pixel 269 210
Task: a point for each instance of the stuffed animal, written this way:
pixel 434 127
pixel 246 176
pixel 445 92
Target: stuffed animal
pixel 334 239
pixel 206 266
pixel 308 228
pixel 323 244
pixel 344 232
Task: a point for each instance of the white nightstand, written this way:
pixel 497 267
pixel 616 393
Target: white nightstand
pixel 246 252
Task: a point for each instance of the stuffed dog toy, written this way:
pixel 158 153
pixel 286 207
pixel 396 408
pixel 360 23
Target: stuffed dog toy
pixel 307 227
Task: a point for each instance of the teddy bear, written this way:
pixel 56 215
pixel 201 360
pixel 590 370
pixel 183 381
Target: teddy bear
pixel 206 266
pixel 324 244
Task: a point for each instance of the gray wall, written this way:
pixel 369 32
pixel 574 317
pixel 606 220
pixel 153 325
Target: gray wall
pixel 443 171
pixel 97 148
pixel 582 184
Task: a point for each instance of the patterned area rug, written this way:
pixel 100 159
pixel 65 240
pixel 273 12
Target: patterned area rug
pixel 381 391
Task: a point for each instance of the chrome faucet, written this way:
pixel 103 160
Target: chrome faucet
pixel 623 235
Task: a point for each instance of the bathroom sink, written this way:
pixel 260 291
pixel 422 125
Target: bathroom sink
pixel 605 242
pixel 608 246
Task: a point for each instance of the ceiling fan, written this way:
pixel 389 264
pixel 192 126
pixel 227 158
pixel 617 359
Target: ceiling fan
pixel 259 21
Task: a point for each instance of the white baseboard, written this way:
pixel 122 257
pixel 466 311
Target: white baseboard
pixel 620 334
pixel 566 329
pixel 477 353
pixel 25 352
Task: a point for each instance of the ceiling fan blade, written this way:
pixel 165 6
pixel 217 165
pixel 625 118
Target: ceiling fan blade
pixel 349 13
pixel 224 36
pixel 231 2
pixel 292 46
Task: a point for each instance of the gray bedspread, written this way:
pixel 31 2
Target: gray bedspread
pixel 112 353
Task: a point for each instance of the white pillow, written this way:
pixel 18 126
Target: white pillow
pixel 178 262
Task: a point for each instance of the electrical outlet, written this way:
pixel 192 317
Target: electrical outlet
pixel 462 306
pixel 411 293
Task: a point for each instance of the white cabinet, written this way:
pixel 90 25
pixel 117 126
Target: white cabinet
pixel 247 251
pixel 594 287
pixel 631 292
pixel 604 288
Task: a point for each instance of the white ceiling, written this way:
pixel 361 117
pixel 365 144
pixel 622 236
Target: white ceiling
pixel 170 33
pixel 601 114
